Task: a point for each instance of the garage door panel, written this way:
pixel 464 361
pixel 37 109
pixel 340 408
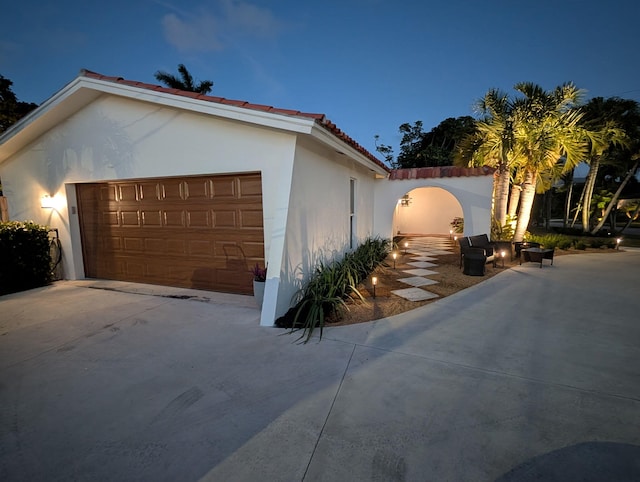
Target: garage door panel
pixel 199 219
pixel 251 187
pixel 203 232
pixel 224 218
pixel 251 219
pixel 151 218
pixel 149 191
pixel 173 219
pixel 128 192
pixel 198 190
pixel 223 188
pixel 172 190
pixel 130 218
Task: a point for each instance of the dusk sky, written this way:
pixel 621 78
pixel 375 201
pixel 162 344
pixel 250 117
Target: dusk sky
pixel 369 65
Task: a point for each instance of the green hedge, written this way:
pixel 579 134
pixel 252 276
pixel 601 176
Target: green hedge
pixel 25 261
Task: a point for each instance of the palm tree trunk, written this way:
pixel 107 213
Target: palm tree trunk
pixel 567 205
pixel 501 194
pixel 614 199
pixel 633 216
pixel 588 193
pixel 526 204
pixel 514 198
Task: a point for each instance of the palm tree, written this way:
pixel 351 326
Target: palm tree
pixel 610 118
pixel 492 145
pixel 185 82
pixel 624 152
pixel 548 139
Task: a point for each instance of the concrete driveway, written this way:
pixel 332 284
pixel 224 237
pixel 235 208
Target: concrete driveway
pixel 531 375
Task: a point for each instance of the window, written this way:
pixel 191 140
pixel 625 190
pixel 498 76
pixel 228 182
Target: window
pixel 352 213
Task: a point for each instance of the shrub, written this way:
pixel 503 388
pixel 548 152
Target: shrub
pixel 331 284
pixel 596 243
pixel 25 260
pixel 552 240
pixel 581 245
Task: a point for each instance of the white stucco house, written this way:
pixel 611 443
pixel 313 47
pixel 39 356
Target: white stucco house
pixel 154 185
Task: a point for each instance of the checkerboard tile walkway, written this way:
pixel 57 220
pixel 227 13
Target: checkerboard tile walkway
pixel 423 252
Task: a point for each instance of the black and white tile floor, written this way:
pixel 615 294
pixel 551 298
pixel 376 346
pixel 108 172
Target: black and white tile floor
pixel 422 252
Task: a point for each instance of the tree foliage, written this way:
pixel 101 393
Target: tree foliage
pixel 184 81
pixel 428 149
pixel 11 109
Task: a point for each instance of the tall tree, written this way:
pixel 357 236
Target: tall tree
pixel 547 135
pixel 611 118
pixel 184 82
pixel 433 148
pixel 491 144
pixel 11 109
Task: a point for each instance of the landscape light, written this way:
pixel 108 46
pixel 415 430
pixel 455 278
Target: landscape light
pixel 618 241
pixel 374 281
pixel 502 255
pixel 395 256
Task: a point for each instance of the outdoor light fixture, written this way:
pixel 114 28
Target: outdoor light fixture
pixel 450 233
pixel 395 256
pixel 502 255
pixel 406 245
pixel 46 201
pixel 374 281
pixel 618 241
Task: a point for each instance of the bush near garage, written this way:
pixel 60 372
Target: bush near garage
pixel 25 261
pixel 331 284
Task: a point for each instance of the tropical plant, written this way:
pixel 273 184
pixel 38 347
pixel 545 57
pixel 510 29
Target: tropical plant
pixel 615 120
pixel 259 273
pixel 548 139
pixel 331 284
pixel 184 82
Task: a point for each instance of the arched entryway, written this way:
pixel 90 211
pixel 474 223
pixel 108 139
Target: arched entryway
pixel 426 210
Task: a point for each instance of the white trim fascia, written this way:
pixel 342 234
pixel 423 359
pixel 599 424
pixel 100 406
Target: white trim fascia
pixel 86 89
pixel 326 137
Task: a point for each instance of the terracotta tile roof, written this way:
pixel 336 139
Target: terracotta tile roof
pixel 440 172
pixel 320 119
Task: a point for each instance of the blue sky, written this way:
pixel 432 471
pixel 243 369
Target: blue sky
pixel 369 65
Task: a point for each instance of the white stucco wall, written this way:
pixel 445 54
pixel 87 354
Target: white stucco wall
pixel 318 218
pixel 473 194
pixel 430 211
pixel 115 138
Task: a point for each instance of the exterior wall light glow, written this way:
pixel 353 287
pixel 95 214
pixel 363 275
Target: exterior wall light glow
pixel 46 202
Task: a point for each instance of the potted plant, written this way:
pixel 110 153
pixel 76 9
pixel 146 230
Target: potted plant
pixel 259 279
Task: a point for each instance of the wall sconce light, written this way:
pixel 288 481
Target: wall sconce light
pixel 405 201
pixel 46 201
pixel 395 256
pixel 374 282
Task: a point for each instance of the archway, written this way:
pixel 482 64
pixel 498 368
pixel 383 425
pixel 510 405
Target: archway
pixel 426 210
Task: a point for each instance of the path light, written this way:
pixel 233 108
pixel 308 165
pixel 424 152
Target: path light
pixel 374 281
pixel 406 245
pixel 450 233
pixel 395 256
pixel 618 241
pixel 502 255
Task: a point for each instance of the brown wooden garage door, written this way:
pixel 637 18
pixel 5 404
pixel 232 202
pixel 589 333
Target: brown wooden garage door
pixel 194 232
